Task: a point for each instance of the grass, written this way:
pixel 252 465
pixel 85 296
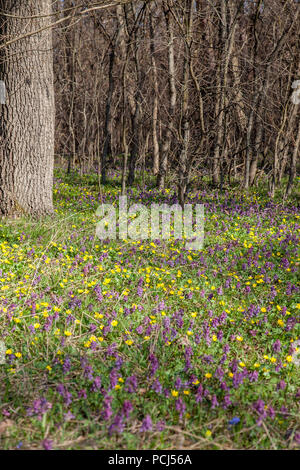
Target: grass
pixel 144 345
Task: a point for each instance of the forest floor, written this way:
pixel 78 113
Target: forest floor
pixel 145 345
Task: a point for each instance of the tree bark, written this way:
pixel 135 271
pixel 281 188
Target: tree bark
pixel 27 121
pixel 165 148
pixel 108 117
pixel 295 155
pixel 155 98
pixel 184 164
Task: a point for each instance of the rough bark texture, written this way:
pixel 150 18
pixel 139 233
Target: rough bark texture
pixel 27 118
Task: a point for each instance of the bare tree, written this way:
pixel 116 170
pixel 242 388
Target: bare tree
pixel 172 95
pixel 180 88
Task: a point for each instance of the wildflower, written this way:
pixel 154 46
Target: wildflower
pixel 40 407
pixel 259 407
pixel 284 411
pixel 131 384
pixel 297 436
pixel 106 408
pixel 127 408
pixel 160 426
pixel 234 421
pixel 156 386
pixel 154 363
pixel 227 401
pixel 281 385
pixel 253 376
pixel 96 385
pixel 180 407
pixel 68 416
pixel 214 402
pixel 82 394
pixel 47 444
pixel 276 346
pixel 146 424
pixel 117 425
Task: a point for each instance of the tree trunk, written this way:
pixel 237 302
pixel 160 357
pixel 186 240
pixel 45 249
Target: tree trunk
pixel 125 158
pixel 27 121
pixel 69 97
pixel 165 148
pixel 293 164
pixel 155 98
pixel 136 116
pixel 184 164
pixel 108 117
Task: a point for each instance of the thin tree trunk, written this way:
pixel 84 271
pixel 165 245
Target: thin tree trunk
pixel 165 148
pixel 125 158
pixel 136 117
pixel 155 98
pixel 293 163
pixel 184 167
pixel 108 116
pixel 70 51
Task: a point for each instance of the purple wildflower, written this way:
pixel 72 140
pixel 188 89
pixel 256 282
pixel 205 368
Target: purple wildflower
pixel 47 444
pixel 146 424
pixel 127 408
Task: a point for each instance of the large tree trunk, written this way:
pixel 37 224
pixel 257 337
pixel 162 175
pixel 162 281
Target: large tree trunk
pixel 27 121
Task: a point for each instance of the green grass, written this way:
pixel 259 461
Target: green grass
pixel 193 304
